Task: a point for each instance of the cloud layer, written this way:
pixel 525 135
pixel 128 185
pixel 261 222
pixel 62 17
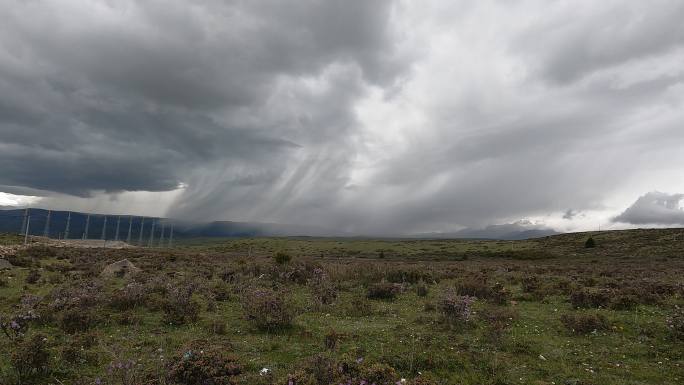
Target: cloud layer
pixel 372 116
pixel 654 208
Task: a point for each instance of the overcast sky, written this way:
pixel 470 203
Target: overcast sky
pixel 369 116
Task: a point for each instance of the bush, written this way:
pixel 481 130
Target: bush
pixel 675 323
pixel 590 243
pixel 282 258
pixel 179 307
pixel 128 297
pixel 267 309
pixel 30 359
pixel 73 320
pixel 473 287
pixel 198 365
pixel 454 308
pixel 530 284
pixel 39 252
pixel 323 291
pixel 624 302
pixel 33 277
pixel 383 290
pixel 321 369
pixel 583 298
pixel 478 287
pixel 585 323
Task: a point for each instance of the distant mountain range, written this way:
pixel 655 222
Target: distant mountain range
pixel 12 220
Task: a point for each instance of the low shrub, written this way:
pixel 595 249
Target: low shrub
pixel 30 358
pixel 383 290
pixel 33 277
pixel 590 243
pixel 39 252
pixel 179 306
pixel 267 309
pixel 623 302
pixel 455 309
pixel 323 290
pixel 530 284
pixel 201 365
pixel 583 323
pixel 129 296
pixel 282 257
pixel 584 298
pixel 221 292
pixel 73 319
pixel 478 287
pixel 321 369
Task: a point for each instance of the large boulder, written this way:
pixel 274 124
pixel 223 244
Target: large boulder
pixel 123 268
pixel 4 264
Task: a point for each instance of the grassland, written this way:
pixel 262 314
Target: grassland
pixel 546 311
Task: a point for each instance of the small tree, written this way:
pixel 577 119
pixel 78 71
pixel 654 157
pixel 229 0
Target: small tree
pixel 590 243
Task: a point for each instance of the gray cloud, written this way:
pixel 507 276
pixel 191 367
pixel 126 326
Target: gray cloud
pixel 570 214
pixel 594 38
pixel 654 208
pixel 384 117
pixel 134 95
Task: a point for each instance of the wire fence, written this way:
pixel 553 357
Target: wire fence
pixel 67 225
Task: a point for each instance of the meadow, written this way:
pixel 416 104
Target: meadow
pixel 348 311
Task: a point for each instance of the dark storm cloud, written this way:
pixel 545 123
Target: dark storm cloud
pixel 374 117
pixel 127 96
pixel 654 208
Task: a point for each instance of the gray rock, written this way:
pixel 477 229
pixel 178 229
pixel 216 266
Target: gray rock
pixel 123 268
pixel 4 264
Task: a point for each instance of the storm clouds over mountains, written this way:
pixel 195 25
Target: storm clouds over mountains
pixel 365 116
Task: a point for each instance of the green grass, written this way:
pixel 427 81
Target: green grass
pixel 638 349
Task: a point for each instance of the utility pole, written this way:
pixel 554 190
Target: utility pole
pixel 104 229
pixel 118 222
pixel 151 234
pixel 161 238
pixel 85 233
pixel 130 225
pixel 28 224
pixel 66 230
pixel 46 230
pixel 142 225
